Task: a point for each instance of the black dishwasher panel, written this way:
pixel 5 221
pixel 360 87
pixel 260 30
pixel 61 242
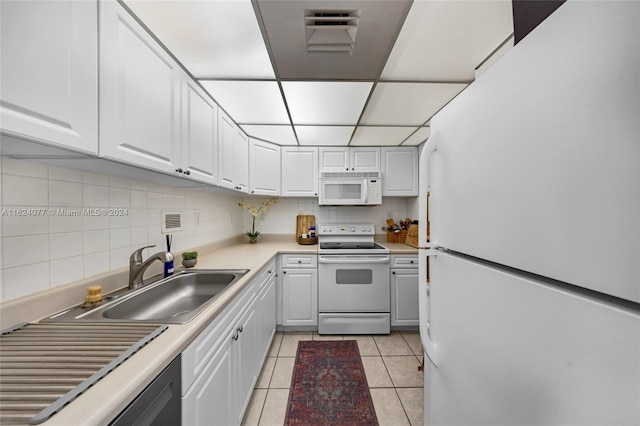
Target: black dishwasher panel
pixel 159 404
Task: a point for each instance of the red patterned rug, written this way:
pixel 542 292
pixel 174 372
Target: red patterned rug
pixel 329 386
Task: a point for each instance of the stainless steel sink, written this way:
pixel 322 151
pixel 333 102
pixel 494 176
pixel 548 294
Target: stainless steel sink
pixel 176 299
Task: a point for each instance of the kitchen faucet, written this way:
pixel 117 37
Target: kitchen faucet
pixel 137 267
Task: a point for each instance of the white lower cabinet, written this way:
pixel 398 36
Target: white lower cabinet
pixel 299 290
pixel 404 291
pixel 209 400
pixel 221 365
pixel 266 314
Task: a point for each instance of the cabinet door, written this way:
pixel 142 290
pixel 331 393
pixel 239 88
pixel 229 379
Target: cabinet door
pixel 264 165
pixel 299 172
pixel 226 152
pixel 404 297
pixel 241 146
pixel 300 297
pixel 209 400
pixel 266 316
pixel 334 159
pixel 139 94
pixel 246 355
pixel 364 159
pixel 199 133
pixel 49 72
pixel 399 171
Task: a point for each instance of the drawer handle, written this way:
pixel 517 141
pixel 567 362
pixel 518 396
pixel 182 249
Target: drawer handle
pixel 411 261
pixel 240 329
pixel 299 261
pixel 235 336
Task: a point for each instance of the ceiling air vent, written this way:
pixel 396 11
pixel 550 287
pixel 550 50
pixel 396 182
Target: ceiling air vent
pixel 331 32
pixel 171 222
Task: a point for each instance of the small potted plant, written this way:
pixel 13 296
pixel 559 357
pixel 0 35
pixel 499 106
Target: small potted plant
pixel 189 259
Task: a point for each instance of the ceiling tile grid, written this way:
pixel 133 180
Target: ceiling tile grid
pixel 287 78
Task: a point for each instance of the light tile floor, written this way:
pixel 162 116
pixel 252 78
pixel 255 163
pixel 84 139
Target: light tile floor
pixel 390 364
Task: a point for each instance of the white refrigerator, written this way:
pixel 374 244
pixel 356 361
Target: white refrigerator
pixel 531 311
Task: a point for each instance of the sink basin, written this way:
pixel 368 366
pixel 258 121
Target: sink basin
pixel 176 299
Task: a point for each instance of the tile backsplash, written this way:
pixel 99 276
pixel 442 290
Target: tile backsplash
pixel 60 225
pixel 280 218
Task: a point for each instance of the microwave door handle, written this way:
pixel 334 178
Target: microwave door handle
pixel 365 191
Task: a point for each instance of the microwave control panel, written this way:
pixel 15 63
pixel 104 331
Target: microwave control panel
pixel 374 192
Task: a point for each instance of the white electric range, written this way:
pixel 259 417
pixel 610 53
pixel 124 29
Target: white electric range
pixel 353 280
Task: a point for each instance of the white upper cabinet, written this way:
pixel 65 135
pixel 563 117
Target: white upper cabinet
pixel 334 159
pixel 264 165
pixel 233 155
pixel 364 159
pixel 199 133
pixel 399 171
pixel 139 94
pixel 242 160
pixel 299 172
pixel 49 72
pixel 341 159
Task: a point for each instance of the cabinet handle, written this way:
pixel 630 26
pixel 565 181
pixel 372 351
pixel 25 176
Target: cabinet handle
pixel 240 329
pixel 253 192
pixel 412 261
pixel 299 261
pixel 187 172
pixel 394 272
pixel 347 169
pixel 352 168
pixel 284 272
pixel 179 170
pixel 235 336
pixel 269 272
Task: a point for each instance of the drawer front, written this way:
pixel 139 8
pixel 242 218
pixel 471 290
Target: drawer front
pixel 299 261
pixel 404 261
pixel 265 273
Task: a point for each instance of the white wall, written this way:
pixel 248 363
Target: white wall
pixel 47 249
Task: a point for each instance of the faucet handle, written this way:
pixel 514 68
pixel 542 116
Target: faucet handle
pixel 136 256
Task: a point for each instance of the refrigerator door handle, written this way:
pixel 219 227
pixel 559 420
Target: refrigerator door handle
pixel 424 300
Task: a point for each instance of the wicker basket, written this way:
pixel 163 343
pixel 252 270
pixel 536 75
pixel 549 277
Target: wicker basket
pixel 307 241
pixel 397 237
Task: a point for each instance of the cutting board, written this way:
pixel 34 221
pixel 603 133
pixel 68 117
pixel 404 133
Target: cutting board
pixel 303 222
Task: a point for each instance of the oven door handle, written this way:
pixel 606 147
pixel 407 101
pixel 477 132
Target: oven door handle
pixel 346 259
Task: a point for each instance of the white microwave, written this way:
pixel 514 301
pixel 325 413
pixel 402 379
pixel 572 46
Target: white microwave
pixel 350 189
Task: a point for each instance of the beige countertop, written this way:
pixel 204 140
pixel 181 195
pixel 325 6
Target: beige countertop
pixel 103 401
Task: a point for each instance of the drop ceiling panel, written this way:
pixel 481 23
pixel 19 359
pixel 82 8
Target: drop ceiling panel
pixel 212 39
pixel 378 24
pixel 325 103
pixel 324 135
pixel 380 136
pixel 251 102
pixel 447 40
pixel 418 137
pixel 408 103
pixel 278 134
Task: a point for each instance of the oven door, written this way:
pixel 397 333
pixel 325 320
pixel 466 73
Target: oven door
pixel 342 192
pixel 353 283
